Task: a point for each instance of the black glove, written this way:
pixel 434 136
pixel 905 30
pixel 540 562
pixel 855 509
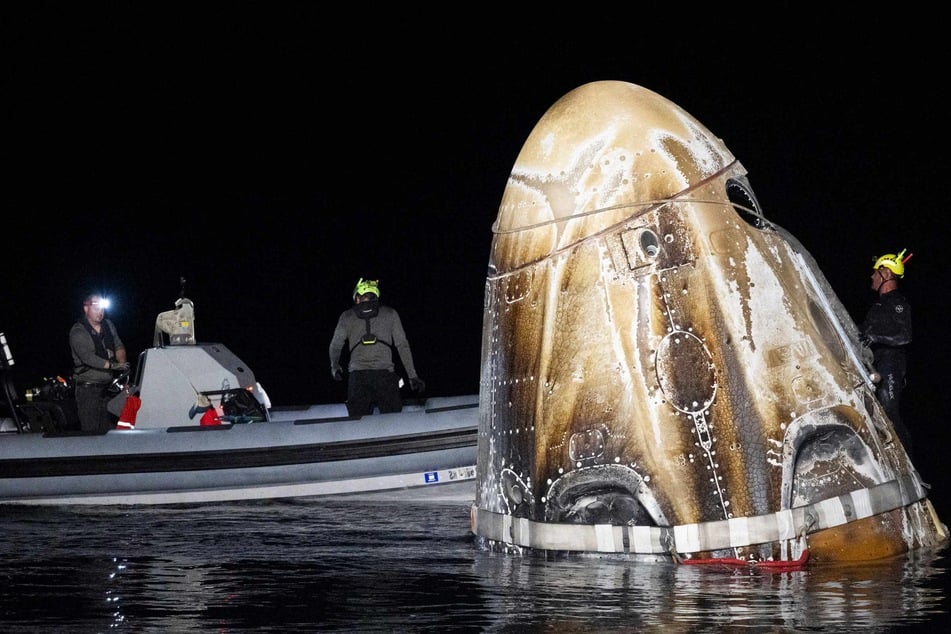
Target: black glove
pixel 337 374
pixel 865 340
pixel 417 385
pixel 115 366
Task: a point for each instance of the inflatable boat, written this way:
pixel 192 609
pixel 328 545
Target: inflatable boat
pixel 202 429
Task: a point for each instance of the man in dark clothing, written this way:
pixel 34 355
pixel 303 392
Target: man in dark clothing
pixel 98 354
pixel 373 331
pixel 887 330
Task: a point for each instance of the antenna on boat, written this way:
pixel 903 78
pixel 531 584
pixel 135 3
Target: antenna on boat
pixel 182 282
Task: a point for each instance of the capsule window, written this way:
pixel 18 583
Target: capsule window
pixel 744 202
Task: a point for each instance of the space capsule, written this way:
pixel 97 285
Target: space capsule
pixel 665 372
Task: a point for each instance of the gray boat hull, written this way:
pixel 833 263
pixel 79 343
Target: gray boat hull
pixel 187 443
pixel 423 447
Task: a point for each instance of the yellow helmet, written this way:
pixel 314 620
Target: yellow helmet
pixel 894 263
pixel 366 286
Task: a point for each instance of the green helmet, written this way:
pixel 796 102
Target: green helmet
pixel 366 286
pixel 892 262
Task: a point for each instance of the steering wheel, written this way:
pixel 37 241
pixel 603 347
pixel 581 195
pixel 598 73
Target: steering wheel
pixel 120 382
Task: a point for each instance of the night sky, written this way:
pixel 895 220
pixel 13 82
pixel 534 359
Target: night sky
pixel 272 156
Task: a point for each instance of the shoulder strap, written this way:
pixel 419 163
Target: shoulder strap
pixel 102 341
pixel 369 338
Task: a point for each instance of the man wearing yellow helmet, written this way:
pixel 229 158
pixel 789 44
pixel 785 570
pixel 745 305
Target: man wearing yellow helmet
pixel 887 330
pixel 373 331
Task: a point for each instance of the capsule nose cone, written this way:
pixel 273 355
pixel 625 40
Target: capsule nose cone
pixel 602 153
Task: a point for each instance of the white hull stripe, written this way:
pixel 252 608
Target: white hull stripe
pixel 688 538
pixel 428 481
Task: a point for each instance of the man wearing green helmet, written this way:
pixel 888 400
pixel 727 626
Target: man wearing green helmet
pixel 886 330
pixel 374 331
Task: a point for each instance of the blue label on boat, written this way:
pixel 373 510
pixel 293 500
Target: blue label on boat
pixel 431 476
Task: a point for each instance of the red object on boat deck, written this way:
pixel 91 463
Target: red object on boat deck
pixel 210 417
pixel 129 411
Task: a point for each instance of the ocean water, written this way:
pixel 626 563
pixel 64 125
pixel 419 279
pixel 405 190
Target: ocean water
pixel 389 565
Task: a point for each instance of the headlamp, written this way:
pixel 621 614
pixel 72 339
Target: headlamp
pixel 102 303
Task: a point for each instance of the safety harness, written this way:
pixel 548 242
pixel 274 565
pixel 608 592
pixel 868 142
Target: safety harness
pixel 366 314
pixel 102 340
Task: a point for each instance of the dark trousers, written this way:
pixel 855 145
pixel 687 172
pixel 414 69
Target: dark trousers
pixel 91 406
pixel 888 393
pixel 891 367
pixel 367 389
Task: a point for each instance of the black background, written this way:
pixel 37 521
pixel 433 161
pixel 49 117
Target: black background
pixel 272 153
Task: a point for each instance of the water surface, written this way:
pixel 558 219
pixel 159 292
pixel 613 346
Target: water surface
pixel 394 566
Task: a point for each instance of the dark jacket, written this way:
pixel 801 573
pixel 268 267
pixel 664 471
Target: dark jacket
pixel 887 324
pixel 91 350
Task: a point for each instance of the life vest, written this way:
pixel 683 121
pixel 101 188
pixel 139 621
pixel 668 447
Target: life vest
pixel 102 340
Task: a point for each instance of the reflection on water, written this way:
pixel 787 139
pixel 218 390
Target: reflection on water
pixel 616 593
pixel 336 565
